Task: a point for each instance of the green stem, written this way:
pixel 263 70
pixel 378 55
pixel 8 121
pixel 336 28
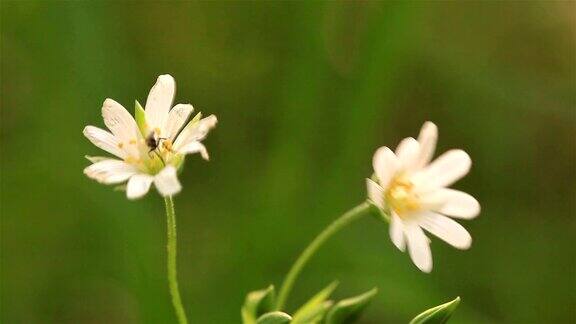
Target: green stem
pixel 344 220
pixel 172 272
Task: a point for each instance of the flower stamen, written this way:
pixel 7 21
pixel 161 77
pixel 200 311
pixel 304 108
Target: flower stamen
pixel 167 145
pixel 401 197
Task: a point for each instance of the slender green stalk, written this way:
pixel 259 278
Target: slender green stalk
pixel 344 220
pixel 172 272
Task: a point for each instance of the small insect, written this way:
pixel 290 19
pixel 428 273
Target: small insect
pixel 152 142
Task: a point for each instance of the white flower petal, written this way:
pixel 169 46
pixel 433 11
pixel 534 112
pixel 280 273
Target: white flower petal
pixel 166 181
pixel 385 165
pixel 446 229
pixel 408 152
pixel 195 147
pixel 451 202
pixel 427 139
pixel 375 193
pixel 445 170
pixel 397 232
pixel 195 131
pixel 418 247
pixel 159 102
pixel 176 119
pixel 122 125
pixel 110 171
pixel 104 140
pixel 138 185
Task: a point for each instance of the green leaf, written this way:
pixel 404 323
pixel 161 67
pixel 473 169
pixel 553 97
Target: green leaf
pixel 257 303
pixel 315 309
pixel 348 310
pixel 140 117
pixel 437 315
pixel 274 318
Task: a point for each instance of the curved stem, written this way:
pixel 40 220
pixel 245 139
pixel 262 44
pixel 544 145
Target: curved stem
pixel 172 272
pixel 344 220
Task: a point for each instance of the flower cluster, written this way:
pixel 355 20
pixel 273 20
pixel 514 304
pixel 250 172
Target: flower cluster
pixel 150 148
pixel 413 191
pixel 409 189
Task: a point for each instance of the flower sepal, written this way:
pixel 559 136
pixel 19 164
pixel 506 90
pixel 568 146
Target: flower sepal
pixel 258 303
pixel 178 162
pixel 258 308
pixel 140 116
pixel 314 311
pixel 379 213
pixel 349 309
pixel 274 318
pixel 439 314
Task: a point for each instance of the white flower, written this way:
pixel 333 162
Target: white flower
pixel 413 192
pixel 151 148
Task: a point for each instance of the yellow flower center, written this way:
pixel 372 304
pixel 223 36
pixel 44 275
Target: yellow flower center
pixel 167 145
pixel 400 195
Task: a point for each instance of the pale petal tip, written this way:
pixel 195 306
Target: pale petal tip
pixel 381 152
pixel 466 159
pixel 424 265
pixel 133 196
pixel 165 78
pixel 211 121
pixel 205 155
pixel 474 211
pixel 429 131
pixel 467 244
pixel 108 102
pixel 428 125
pixel 204 152
pixel 425 268
pixel 477 211
pixel 400 244
pixel 385 164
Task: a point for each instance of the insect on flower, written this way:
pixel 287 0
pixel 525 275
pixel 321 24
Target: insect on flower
pixel 151 148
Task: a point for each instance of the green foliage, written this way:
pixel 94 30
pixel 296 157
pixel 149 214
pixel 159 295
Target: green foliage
pixel 140 117
pixel 437 315
pixel 348 310
pixel 315 309
pixel 302 103
pixel 274 318
pixel 257 303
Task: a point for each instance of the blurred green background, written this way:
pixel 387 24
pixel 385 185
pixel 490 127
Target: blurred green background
pixel 304 92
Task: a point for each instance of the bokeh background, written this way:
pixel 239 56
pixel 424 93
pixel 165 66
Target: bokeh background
pixel 304 92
